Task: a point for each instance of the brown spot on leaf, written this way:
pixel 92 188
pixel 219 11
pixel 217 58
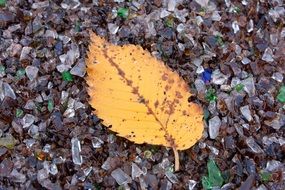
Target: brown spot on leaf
pixel 156 103
pixel 149 111
pixel 135 90
pixel 121 72
pixel 185 86
pixel 171 81
pixel 167 87
pixel 129 82
pixel 164 77
pixel 141 100
pixel 178 95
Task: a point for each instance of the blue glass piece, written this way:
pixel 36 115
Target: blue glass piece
pixel 207 75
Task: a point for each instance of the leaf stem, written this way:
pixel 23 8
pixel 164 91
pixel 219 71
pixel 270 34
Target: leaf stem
pixel 176 156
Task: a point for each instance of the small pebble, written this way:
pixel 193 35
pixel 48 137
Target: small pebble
pixel 31 72
pixel 214 127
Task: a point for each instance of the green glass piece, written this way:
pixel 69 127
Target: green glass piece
pixel 147 154
pixel 206 183
pixel 9 141
pixel 214 178
pixel 38 106
pixel 20 74
pixel 170 168
pixel 236 10
pixel 66 76
pixel 211 95
pixel 206 114
pixel 121 187
pixel 215 174
pixel 281 95
pixel 226 176
pixel 154 149
pixel 2 3
pixel 169 22
pixel 265 176
pixel 123 12
pixel 203 10
pixel 19 112
pixel 97 186
pixel 219 40
pixel 2 68
pixel 77 26
pixel 239 87
pixel 50 105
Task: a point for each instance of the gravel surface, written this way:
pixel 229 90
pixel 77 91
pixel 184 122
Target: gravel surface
pixel 231 53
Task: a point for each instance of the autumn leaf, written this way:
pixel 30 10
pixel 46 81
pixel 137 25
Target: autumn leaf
pixel 140 98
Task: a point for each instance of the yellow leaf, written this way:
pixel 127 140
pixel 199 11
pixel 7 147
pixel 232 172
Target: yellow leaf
pixel 140 98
